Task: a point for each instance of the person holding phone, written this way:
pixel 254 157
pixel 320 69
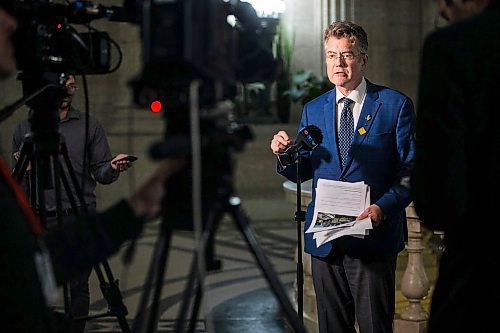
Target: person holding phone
pixel 92 162
pixel 32 258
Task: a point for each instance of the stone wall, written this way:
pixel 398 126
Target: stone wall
pixel 395 29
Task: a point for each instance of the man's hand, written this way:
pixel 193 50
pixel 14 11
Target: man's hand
pixel 17 154
pixel 374 213
pixel 146 201
pixel 280 142
pixel 122 165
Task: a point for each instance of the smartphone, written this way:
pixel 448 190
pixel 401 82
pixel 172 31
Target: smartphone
pixel 129 158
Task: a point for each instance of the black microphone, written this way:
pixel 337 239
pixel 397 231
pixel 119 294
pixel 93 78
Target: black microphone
pixel 307 140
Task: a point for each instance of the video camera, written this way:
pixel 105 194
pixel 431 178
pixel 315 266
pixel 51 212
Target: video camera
pixel 45 40
pixel 48 47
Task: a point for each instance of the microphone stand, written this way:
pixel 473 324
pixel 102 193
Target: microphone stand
pixel 299 219
pixel 308 139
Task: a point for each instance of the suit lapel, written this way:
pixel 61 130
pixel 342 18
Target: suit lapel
pixel 366 118
pixel 329 113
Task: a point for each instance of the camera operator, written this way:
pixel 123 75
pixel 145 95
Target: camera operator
pixel 32 258
pixel 98 166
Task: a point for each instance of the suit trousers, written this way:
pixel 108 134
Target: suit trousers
pixel 351 289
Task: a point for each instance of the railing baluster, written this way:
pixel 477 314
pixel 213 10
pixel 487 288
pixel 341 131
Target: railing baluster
pixel 415 284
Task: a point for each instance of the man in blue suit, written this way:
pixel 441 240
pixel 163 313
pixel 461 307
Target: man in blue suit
pixel 354 278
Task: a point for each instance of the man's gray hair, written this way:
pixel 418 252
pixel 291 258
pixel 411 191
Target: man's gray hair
pixel 355 33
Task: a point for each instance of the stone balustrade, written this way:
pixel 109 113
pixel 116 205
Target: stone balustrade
pixel 414 285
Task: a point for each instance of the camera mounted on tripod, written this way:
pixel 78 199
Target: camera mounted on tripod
pixel 45 40
pixel 47 47
pixel 218 44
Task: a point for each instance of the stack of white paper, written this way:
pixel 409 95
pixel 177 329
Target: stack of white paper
pixel 337 206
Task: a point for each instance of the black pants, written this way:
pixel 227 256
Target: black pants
pixel 79 287
pixel 80 301
pixel 350 289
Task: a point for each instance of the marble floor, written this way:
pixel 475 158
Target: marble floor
pixel 236 298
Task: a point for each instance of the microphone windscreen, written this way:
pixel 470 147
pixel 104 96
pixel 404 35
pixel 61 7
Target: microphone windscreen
pixel 309 137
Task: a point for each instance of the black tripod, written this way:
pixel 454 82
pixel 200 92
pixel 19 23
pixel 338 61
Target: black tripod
pixel 41 150
pixel 211 197
pixel 223 203
pixel 226 203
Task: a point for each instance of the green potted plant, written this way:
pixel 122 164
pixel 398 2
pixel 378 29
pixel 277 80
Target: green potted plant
pixel 306 86
pixel 284 50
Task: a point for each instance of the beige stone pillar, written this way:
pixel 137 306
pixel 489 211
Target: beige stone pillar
pixel 415 284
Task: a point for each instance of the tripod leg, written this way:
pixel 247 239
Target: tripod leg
pixel 188 293
pixel 23 161
pixel 208 238
pixel 111 293
pixel 243 225
pixel 196 308
pixel 153 317
pixel 155 275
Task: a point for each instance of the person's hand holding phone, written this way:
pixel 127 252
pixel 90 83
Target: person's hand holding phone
pixel 16 155
pixel 122 162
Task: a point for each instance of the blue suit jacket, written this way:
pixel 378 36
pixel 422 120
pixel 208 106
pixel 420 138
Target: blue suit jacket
pixel 382 157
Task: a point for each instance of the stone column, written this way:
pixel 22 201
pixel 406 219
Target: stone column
pixel 415 284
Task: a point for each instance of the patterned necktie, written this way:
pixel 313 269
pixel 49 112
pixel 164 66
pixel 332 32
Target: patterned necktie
pixel 346 129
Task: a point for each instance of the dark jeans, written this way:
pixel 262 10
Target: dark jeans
pixel 80 301
pixel 78 288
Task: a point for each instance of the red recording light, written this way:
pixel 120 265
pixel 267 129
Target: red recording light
pixel 156 106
